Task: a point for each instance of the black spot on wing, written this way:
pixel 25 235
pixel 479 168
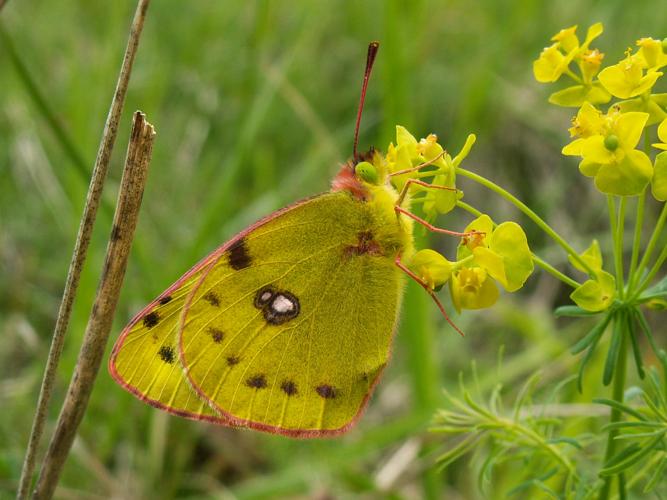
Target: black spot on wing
pixel 256 381
pixel 166 354
pixel 151 319
pixel 216 334
pixel 233 360
pixel 238 255
pixel 326 391
pixel 165 300
pixel 212 299
pixel 289 387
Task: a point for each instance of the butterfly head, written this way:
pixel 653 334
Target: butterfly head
pixel 360 175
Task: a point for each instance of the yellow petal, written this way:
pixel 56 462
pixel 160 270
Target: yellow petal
pixel 472 289
pixel 627 177
pixel 595 295
pixel 662 130
pixel 550 65
pixel 592 256
pixel 659 180
pixel 595 151
pixel 629 128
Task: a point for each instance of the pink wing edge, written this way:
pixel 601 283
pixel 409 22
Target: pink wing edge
pixel 230 420
pixel 210 259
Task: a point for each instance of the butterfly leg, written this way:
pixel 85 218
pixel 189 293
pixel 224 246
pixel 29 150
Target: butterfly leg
pixel 431 227
pixel 418 167
pixel 428 289
pixel 409 182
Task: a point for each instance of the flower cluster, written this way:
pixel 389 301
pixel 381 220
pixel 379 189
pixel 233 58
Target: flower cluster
pixel 607 140
pixel 617 108
pixel 488 255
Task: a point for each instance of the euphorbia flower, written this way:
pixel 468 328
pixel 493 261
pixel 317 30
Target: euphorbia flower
pixel 652 53
pixel 472 288
pixel 441 201
pixel 555 59
pixel 502 251
pixel 433 268
pixel 627 78
pixel 607 144
pixel 597 293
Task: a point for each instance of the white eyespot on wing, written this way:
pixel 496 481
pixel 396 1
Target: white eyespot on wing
pixel 282 304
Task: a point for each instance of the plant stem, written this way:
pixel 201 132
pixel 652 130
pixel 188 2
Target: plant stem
pixel 80 249
pixel 654 270
pixel 104 306
pixel 655 236
pixel 532 215
pixel 618 391
pixel 636 241
pixel 616 224
pixel 540 262
pixel 555 272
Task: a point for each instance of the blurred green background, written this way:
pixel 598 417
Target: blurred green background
pixel 254 105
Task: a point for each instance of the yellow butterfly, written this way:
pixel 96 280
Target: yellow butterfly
pixel 287 327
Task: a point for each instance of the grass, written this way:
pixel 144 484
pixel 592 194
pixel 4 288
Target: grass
pixel 254 104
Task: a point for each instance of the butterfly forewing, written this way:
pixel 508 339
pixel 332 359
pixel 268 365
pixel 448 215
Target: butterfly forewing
pixel 291 325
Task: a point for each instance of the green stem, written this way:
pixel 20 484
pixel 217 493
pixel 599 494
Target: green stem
pixel 618 391
pixel 532 215
pixel 616 223
pixel 657 231
pixel 537 260
pixel 636 241
pixel 555 272
pixel 651 274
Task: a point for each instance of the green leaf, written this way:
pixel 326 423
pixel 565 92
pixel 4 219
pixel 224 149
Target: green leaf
pixel 631 458
pixel 658 474
pixel 573 312
pixel 636 351
pixel 612 353
pixel 659 290
pixel 576 95
pixel 591 337
pixel 639 318
pixel 620 407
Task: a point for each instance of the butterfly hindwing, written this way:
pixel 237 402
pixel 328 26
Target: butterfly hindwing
pixel 145 358
pixel 290 326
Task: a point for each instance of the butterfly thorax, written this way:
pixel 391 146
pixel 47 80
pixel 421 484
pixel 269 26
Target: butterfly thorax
pixel 392 234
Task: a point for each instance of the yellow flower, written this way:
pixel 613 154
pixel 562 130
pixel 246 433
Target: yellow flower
pixel 588 122
pixel 627 79
pixel 555 59
pixel 652 53
pixel 662 135
pixel 551 64
pixel 567 38
pixel 471 288
pixel 595 294
pixel 607 144
pixel 433 268
pixel 502 251
pixel 591 60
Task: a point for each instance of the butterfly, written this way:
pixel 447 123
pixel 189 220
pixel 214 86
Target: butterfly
pixel 287 327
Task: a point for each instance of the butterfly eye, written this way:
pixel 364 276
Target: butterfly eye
pixel 366 172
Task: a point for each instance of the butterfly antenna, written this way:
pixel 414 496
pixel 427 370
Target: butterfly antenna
pixel 370 59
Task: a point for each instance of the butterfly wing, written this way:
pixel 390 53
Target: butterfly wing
pixel 145 361
pixel 289 328
pixel 145 358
